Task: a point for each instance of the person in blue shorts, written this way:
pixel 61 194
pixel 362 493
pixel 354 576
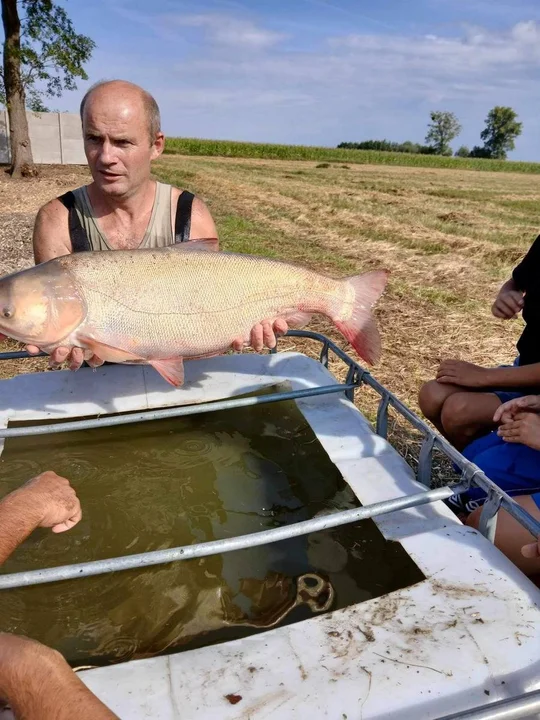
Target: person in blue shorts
pixel 463 399
pixel 510 456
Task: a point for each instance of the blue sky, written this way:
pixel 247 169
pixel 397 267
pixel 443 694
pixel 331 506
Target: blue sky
pixel 318 71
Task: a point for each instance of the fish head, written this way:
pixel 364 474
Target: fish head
pixel 41 305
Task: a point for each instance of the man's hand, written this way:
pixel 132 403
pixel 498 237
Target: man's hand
pixel 508 410
pixel 532 550
pixel 51 501
pixel 47 500
pixel 458 372
pixel 508 303
pixel 263 335
pixel 524 428
pixel 74 356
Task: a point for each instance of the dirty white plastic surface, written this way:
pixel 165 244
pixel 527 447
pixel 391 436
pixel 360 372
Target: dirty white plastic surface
pixel 467 635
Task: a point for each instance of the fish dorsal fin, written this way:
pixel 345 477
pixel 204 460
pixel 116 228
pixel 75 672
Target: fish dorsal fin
pixel 210 244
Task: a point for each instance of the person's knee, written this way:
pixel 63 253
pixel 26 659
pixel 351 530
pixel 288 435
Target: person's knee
pixel 456 413
pixel 431 399
pixel 473 520
pixel 466 413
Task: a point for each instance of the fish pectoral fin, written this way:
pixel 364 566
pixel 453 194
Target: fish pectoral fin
pixel 172 369
pixel 109 353
pixel 297 319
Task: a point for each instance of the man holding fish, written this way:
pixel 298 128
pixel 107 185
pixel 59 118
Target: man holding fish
pixel 157 299
pixel 124 208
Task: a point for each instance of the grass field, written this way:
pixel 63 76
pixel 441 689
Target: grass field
pixel 449 239
pixel 267 151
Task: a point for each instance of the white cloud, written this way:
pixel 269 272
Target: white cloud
pixel 376 68
pixel 194 99
pixel 477 50
pixel 225 30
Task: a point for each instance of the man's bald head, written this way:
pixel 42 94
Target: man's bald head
pixel 128 92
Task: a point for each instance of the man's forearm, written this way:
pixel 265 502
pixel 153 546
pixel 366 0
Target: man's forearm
pixel 525 376
pixel 44 686
pixel 17 522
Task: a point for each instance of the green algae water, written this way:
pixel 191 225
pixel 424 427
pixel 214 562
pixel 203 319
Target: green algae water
pixel 161 484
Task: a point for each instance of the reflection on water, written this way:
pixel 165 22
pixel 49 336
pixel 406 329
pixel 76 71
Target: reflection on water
pixel 150 486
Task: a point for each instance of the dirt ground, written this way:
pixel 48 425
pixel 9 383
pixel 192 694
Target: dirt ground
pixel 20 201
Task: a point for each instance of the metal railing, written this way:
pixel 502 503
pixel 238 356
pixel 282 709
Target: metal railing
pixel 356 377
pixel 514 708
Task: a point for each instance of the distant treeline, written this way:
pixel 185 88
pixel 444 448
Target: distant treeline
pixel 502 128
pixel 386 145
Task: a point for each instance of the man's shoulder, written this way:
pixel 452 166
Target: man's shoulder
pixel 197 203
pixel 177 191
pixel 59 205
pixel 52 210
pixel 202 223
pixel 51 236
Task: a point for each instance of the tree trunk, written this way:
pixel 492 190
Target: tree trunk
pixel 21 150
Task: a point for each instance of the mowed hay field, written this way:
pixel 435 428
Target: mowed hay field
pixel 448 237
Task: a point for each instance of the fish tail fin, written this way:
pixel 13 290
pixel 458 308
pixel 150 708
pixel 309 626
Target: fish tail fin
pixel 359 326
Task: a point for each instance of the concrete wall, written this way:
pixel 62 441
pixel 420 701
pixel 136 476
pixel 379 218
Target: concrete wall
pixel 56 138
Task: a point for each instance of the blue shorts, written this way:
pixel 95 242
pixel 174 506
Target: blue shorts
pixel 515 468
pixel 505 395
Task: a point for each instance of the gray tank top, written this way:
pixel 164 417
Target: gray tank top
pixel 158 233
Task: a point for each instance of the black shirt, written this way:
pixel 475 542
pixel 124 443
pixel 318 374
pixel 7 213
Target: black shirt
pixel 527 278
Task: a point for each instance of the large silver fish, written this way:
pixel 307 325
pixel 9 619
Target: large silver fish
pixel 185 301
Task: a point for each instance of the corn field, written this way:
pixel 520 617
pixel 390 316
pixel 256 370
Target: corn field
pixel 226 148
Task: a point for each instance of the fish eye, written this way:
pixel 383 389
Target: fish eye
pixel 7 313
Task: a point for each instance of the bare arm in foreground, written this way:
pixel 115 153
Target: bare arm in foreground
pixel 36 681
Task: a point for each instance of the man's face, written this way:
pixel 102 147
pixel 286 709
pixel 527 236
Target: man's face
pixel 117 144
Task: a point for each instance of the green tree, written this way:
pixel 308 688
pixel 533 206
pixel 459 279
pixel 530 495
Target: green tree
pixel 444 127
pixel 479 152
pixel 42 57
pixel 502 128
pixel 463 152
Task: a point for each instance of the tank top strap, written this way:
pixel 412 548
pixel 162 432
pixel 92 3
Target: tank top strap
pixel 87 218
pixel 159 231
pixel 79 238
pixel 182 225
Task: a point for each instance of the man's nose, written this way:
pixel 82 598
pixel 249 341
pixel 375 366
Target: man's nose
pixel 107 154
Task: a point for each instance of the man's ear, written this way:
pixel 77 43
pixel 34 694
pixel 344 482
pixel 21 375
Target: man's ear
pixel 158 146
